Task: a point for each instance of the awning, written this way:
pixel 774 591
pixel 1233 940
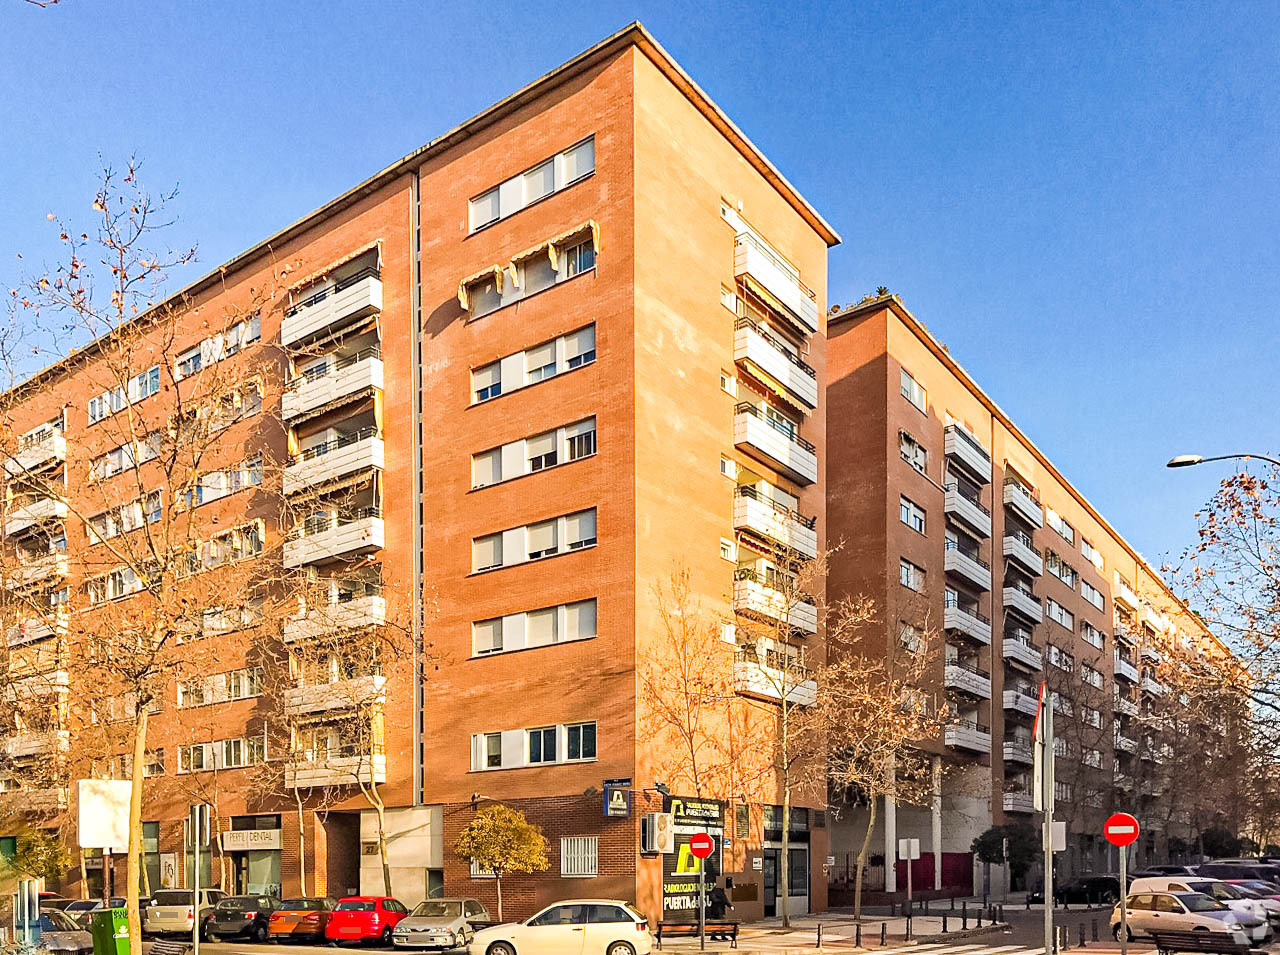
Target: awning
pixel 590 227
pixel 314 495
pixel 464 298
pixel 542 248
pixel 338 263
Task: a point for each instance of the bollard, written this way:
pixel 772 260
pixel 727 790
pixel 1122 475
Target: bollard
pixel 857 935
pixel 907 937
pixel 1028 901
pixel 882 933
pixel 964 916
pixel 979 923
pixel 953 903
pixel 1001 910
pixel 1080 936
pixel 944 925
pixel 819 935
pixel 1095 930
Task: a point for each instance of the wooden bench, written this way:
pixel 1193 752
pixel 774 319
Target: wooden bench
pixel 721 928
pixel 171 946
pixel 1224 943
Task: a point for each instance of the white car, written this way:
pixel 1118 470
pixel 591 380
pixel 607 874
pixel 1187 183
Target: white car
pixel 1250 913
pixel 574 927
pixel 173 912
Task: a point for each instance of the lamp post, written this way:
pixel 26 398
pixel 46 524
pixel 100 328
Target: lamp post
pixel 1191 460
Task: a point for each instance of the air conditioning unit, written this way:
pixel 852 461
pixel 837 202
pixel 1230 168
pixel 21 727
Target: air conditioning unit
pixel 658 833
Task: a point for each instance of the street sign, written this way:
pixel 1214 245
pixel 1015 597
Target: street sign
pixel 701 845
pixel 1121 829
pixel 909 849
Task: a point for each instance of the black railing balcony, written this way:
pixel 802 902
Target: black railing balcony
pixel 333 444
pixel 746 407
pixel 370 271
pixel 748 491
pixel 747 322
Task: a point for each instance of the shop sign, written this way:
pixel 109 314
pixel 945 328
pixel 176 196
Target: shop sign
pixel 692 817
pixel 242 840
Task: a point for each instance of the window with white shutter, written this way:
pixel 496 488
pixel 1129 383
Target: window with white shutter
pixel 580 439
pixel 487 636
pixel 579 857
pixel 486 552
pixel 486 468
pixel 542 540
pixel 579 161
pixel 580 347
pixel 540 627
pixel 580 529
pixel 540 451
pixel 580 620
pixel 540 362
pixel 486 382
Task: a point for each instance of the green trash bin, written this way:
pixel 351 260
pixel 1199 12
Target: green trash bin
pixel 110 930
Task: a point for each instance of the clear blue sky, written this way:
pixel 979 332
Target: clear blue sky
pixel 1081 199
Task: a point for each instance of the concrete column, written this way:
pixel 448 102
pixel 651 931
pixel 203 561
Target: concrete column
pixel 890 832
pixel 937 823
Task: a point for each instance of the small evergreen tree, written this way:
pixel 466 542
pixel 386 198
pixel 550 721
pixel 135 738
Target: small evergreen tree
pixel 501 840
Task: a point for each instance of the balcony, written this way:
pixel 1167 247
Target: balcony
pixel 965 450
pixel 967 679
pixel 1022 653
pixel 357 295
pixel 1020 549
pixel 1123 781
pixel 1019 751
pixel 36 743
pixel 756 679
pixel 1153 686
pixel 967 565
pixel 38 570
pixel 756 599
pixel 333 381
pixel 1022 701
pixel 1019 802
pixel 773 365
pixel 354 694
pixel 958 619
pixel 336 771
pixel 1024 502
pixel 348 454
pixel 346 535
pixel 1126 744
pixel 1125 670
pixel 756 514
pixel 32 514
pixel 1151 655
pixel 967 510
pixel 1123 705
pixel 37 454
pixel 43 800
pixel 39 683
pixel 774 444
pixel 969 736
pixel 366 610
pixel 776 280
pixel 1023 603
pixel 33 629
pixel 1123 595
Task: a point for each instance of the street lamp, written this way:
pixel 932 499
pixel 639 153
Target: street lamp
pixel 1190 460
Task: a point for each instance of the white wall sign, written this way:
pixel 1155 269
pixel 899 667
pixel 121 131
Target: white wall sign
pixel 241 840
pixel 103 812
pixel 908 849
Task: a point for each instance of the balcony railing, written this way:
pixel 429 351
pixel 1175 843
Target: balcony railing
pixel 1153 686
pixel 770 274
pixel 1123 595
pixel 768 360
pixel 1024 501
pixel 966 563
pixel 1022 652
pixel 356 693
pixel 1019 802
pixel 775 443
pixel 1020 548
pixel 336 379
pixel 961 619
pixel 342 534
pixel 337 768
pixel 756 598
pixel 1023 602
pixel 1021 700
pixel 1124 705
pixel 352 296
pixel 357 611
pixel 765 517
pixel 1018 751
pixel 964 449
pixel 969 735
pixel 967 678
pixel 963 504
pixel 335 458
pixel 30 514
pixel 752 677
pixel 37 452
pixel 1125 669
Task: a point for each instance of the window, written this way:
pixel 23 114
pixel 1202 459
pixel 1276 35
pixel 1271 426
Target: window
pixel 542 540
pixel 540 362
pixel 1092 757
pixel 579 258
pixel 243 684
pixel 911 514
pixel 1059 614
pixel 1091 716
pixel 492 750
pixel 486 468
pixel 728 468
pixel 551 175
pixel 1061 658
pixel 1092 635
pixel 909 636
pixel 1063 792
pixel 579 161
pixel 580 620
pixel 728 550
pixel 1061 569
pixel 580 347
pixel 1092 594
pixel 542 745
pixel 913 391
pixel 541 451
pixel 1091 554
pixel 728 384
pixel 540 627
pixel 486 552
pixel 910 576
pixel 1090 676
pixel 484 209
pixel 581 741
pixel 913 452
pixel 194 758
pixel 536 273
pixel 191 693
pixel 578 860
pixel 486 636
pixel 486 382
pixel 580 529
pixel 188 363
pixel 581 439
pixel 485 295
pixel 1065 530
pixel 154 763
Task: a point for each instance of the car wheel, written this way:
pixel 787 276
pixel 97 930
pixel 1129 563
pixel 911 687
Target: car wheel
pixel 620 948
pixel 385 937
pixel 1110 898
pixel 500 948
pixel 1116 932
pixel 260 933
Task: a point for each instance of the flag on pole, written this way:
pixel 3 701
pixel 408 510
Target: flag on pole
pixel 1039 756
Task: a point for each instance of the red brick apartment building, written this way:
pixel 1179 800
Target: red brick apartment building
pixel 956 523
pixel 553 354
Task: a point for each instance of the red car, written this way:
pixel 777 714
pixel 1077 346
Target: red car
pixel 364 918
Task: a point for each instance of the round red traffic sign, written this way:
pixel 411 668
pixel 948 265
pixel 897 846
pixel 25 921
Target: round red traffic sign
pixel 701 845
pixel 1121 829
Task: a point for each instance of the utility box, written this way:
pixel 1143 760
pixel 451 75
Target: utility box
pixel 110 930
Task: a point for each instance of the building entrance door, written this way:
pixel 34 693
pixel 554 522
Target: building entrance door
pixel 770 883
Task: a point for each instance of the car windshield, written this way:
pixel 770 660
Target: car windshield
pixel 302 905
pixel 1266 888
pixel 236 904
pixel 1219 890
pixel 438 910
pixel 173 898
pixel 1197 902
pixel 82 905
pixel 355 905
pixel 51 920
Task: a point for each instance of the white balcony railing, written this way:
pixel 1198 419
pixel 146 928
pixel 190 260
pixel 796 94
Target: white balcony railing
pixel 760 437
pixel 758 599
pixel 1022 702
pixel 1023 502
pixel 967 510
pixel 1125 744
pixel 360 534
pixel 967 679
pixel 1018 751
pixel 967 451
pixel 766 518
pixel 1153 686
pixel 348 454
pixel 34 456
pixel 1019 802
pixel 32 629
pixel 359 294
pixel 967 566
pixel 1125 669
pixel 1151 655
pixel 1123 705
pixel 1022 653
pixel 752 678
pixel 338 378
pixel 776 279
pixel 1123 594
pixel 968 736
pixel 36 570
pixel 365 611
pixel 37 743
pixel 32 514
pixel 1028 605
pixel 1020 549
pixel 776 367
pixel 969 622
pixel 336 771
pixel 358 693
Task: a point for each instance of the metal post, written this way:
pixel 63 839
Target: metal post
pixel 819 935
pixel 194 824
pixel 907 938
pixel 1080 935
pixel 964 916
pixel 1046 778
pixel 882 930
pixel 944 925
pixel 702 904
pixel 1124 908
pixel 857 935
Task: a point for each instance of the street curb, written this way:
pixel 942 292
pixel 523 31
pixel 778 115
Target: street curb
pixel 964 933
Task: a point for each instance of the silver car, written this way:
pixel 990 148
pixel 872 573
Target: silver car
pixel 1177 912
pixel 59 933
pixel 440 924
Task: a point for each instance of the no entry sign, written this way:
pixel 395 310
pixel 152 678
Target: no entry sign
pixel 1121 829
pixel 701 845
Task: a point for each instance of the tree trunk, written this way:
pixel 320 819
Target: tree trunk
pixel 498 881
pixel 302 850
pixel 784 864
pixel 84 877
pixel 862 860
pixel 135 828
pixel 381 810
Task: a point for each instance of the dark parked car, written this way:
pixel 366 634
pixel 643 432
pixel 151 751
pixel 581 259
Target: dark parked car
pixel 1172 869
pixel 1090 890
pixel 1236 870
pixel 242 916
